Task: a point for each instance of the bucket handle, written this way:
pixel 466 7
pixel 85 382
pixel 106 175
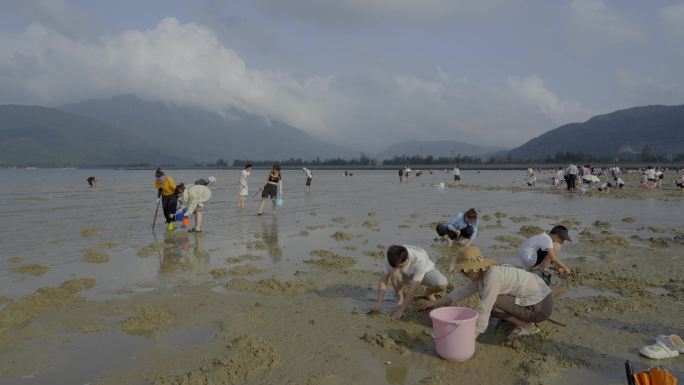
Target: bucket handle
pixel 455 324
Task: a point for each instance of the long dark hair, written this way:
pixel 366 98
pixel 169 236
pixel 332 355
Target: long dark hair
pixel 471 214
pixel 276 167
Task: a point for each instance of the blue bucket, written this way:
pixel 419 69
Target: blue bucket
pixel 280 201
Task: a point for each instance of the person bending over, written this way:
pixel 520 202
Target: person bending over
pixel 408 266
pixel 538 251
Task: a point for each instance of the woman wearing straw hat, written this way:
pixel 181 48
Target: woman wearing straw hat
pixel 506 292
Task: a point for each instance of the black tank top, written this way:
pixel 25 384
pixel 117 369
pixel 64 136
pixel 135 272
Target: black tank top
pixel 273 179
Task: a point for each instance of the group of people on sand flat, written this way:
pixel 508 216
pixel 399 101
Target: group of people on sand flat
pixel 194 196
pixel 519 295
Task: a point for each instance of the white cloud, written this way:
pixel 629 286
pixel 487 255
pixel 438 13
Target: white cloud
pixel 673 17
pixel 531 89
pixel 591 25
pixel 186 64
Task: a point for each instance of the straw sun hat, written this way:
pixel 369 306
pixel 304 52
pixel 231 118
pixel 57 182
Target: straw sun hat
pixel 470 259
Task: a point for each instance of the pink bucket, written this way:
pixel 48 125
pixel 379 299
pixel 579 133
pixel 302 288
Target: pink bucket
pixel 453 329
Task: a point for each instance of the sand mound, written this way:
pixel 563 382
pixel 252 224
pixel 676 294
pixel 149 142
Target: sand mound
pixel 629 220
pixel 385 341
pixel 330 260
pixel 486 218
pixel 270 286
pixel 500 215
pixel 107 245
pixel 244 257
pixel 90 232
pixel 15 259
pixel 414 216
pixel 497 225
pixel 341 236
pixel 257 245
pixel 625 286
pixel 30 269
pixel 23 310
pixel 512 240
pixel 603 238
pixel 519 219
pixel 350 248
pixel 370 224
pixel 245 270
pixel 570 223
pixel 530 230
pixel 599 224
pixel 150 249
pixel 431 225
pixel 147 320
pixel 247 356
pixel 219 272
pixel 659 243
pixel 340 220
pixel 95 257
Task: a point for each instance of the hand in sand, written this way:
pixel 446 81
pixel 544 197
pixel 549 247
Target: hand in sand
pixel 375 309
pixel 564 270
pixel 398 314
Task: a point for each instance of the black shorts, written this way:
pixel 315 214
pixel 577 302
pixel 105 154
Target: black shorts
pixel 442 230
pixel 651 180
pixel 308 181
pixel 680 185
pixel 457 178
pixel 541 254
pixel 270 191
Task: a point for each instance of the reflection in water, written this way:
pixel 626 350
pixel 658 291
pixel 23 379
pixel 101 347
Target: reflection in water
pixel 395 375
pixel 270 237
pixel 179 254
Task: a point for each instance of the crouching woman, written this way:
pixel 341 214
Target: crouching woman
pixel 506 292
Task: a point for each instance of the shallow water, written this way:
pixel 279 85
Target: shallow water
pixel 47 211
pixel 53 219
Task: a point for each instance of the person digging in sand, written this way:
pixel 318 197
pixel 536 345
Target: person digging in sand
pixel 506 292
pixel 408 265
pixel 451 230
pixel 194 197
pixel 538 251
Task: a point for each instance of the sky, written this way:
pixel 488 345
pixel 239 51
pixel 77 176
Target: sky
pixel 363 74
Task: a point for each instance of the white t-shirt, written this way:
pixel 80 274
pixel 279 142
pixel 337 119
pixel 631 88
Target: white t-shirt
pixel 307 173
pixel 457 171
pixel 419 264
pixel 528 250
pixel 619 181
pixel 650 173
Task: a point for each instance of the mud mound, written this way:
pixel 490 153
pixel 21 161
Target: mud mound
pixel 629 220
pixel 329 260
pixel 150 249
pixel 95 257
pixel 370 224
pixel 23 310
pixel 519 219
pixel 247 356
pixel 219 272
pixel 90 232
pixel 384 341
pixel 512 240
pixel 603 238
pixel 147 320
pixel 270 286
pixel 30 269
pixel 245 270
pixel 530 230
pixel 244 257
pixel 340 220
pixel 599 224
pixel 342 236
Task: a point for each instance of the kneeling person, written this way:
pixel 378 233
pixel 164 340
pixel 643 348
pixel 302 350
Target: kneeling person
pixel 408 265
pixel 506 292
pixel 538 251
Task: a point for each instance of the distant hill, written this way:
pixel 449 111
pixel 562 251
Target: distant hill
pixel 206 136
pixel 621 133
pixel 435 148
pixel 41 136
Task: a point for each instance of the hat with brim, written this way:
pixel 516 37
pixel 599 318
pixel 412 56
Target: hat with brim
pixel 470 259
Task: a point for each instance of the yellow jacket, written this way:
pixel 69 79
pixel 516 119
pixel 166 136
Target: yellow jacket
pixel 168 187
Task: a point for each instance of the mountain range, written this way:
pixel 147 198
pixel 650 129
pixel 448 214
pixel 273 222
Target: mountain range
pixel 657 129
pixel 125 130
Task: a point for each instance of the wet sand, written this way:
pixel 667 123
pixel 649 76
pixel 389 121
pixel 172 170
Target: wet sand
pixel 266 308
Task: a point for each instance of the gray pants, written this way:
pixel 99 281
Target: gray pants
pixel 505 307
